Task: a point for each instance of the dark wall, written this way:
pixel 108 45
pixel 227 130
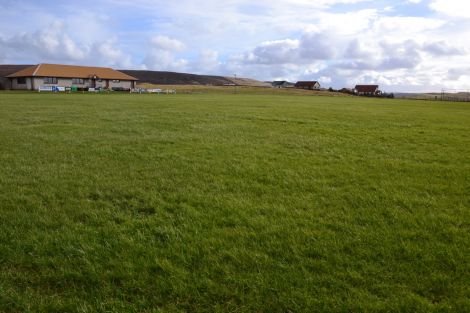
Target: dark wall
pixel 4 83
pixel 7 69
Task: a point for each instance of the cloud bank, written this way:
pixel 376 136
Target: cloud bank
pixel 409 45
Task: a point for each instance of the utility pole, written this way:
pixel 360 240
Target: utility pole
pixel 235 84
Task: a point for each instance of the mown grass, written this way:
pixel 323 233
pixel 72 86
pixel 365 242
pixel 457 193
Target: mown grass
pixel 233 203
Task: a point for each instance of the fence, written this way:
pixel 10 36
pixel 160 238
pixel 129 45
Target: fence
pixel 455 95
pixel 452 95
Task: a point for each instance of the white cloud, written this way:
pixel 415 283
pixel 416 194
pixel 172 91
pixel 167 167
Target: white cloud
pixel 54 45
pixel 108 54
pixel 405 26
pixel 51 43
pixel 163 55
pixel 207 62
pixel 161 60
pixel 454 8
pixel 168 44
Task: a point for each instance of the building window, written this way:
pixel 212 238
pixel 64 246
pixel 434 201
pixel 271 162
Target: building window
pixel 116 81
pixel 21 80
pixel 50 80
pixel 78 81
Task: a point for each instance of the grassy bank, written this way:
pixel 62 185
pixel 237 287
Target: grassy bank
pixel 244 90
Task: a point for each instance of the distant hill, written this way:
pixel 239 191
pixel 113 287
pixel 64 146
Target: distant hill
pixel 249 82
pixel 173 78
pixel 447 96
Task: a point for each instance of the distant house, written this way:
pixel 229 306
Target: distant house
pixel 56 75
pixel 309 85
pixel 282 84
pixel 367 90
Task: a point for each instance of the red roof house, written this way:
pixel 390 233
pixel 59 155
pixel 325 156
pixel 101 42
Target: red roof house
pixel 310 85
pixel 367 90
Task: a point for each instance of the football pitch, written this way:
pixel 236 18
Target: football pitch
pixel 233 203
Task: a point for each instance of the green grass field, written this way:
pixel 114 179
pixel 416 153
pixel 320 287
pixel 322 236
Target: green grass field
pixel 233 203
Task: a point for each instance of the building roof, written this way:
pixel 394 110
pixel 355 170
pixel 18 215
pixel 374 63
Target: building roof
pixel 8 69
pixel 71 71
pixel 306 84
pixel 366 88
pixel 282 83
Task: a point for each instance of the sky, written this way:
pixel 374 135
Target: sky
pixel 402 45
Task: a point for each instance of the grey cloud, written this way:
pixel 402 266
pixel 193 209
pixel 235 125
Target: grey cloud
pixel 390 56
pixel 457 73
pixel 357 65
pixel 275 52
pixel 387 56
pixel 403 55
pixel 441 48
pixel 311 57
pixel 356 51
pixel 311 47
pixel 315 46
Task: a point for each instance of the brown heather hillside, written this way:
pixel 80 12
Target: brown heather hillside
pixel 172 78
